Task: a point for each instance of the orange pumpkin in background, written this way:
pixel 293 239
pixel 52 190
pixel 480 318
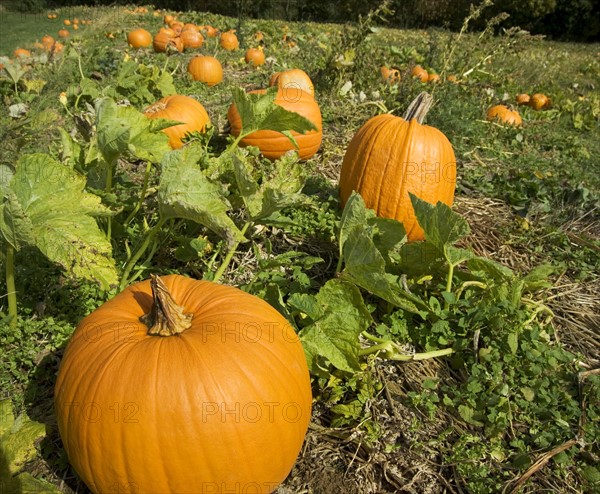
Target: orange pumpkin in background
pixel 180 108
pixel 390 157
pixel 274 145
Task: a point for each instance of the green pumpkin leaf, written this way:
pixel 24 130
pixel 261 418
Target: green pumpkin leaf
pixel 259 112
pixel 18 436
pixel 334 335
pixel 365 265
pixel 441 225
pixel 123 129
pixel 46 206
pixel 185 192
pixel 354 215
pixel 281 188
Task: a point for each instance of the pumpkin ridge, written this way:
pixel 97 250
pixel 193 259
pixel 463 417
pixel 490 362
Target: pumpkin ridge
pixel 98 382
pixel 408 146
pixel 367 152
pixel 393 160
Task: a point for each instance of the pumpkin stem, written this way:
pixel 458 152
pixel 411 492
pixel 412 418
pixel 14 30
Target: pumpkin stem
pixel 419 107
pixel 166 318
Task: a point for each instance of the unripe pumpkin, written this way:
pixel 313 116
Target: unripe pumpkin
pixel 255 56
pixel 139 38
pixel 188 111
pixel 391 156
pixel 505 115
pixel 274 145
pixel 229 40
pixel 177 385
pixel 293 79
pixel 206 69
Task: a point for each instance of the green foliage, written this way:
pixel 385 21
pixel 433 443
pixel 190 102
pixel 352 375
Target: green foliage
pixel 366 304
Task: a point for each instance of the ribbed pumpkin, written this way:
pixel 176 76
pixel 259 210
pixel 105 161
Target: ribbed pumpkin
pixel 164 41
pixel 391 156
pixel 505 115
pixel 255 56
pixel 206 69
pixel 191 39
pixel 229 40
pixel 139 38
pixel 181 109
pixel 183 386
pixel 294 79
pixel 274 145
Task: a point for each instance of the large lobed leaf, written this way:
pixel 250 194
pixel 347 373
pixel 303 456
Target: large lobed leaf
pixel 185 192
pixel 340 317
pixel 45 206
pixel 259 112
pixel 123 129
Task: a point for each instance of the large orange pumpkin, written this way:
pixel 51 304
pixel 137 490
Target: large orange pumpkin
pixel 186 386
pixel 181 109
pixel 207 69
pixel 391 156
pixel 293 78
pixel 274 145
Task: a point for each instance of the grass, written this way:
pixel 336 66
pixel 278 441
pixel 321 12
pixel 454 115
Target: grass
pixel 531 196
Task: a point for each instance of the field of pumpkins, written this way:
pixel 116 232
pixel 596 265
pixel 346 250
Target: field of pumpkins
pixel 250 255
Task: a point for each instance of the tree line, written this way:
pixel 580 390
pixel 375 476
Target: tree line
pixel 576 20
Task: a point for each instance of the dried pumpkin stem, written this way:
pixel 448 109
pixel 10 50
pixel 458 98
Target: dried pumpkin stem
pixel 419 107
pixel 166 318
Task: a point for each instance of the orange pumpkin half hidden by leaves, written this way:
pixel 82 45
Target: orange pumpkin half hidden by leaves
pixel 273 144
pixel 209 386
pixel 293 78
pixel 179 108
pixel 390 157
